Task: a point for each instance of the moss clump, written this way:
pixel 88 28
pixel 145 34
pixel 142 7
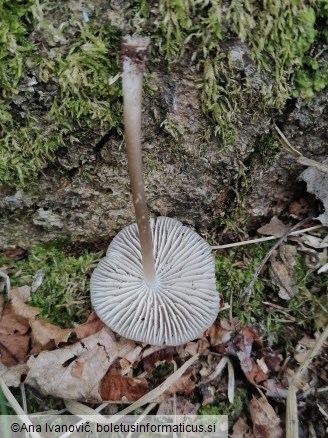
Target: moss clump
pixel 234 271
pixel 233 410
pixel 83 73
pixel 73 80
pixel 15 25
pixel 278 34
pixel 64 294
pixel 313 76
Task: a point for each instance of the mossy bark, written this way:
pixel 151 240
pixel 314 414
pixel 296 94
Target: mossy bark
pixel 213 90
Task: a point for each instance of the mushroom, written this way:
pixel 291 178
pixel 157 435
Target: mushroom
pixel 156 283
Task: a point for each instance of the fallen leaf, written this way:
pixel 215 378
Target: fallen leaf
pixel 91 326
pixel 266 423
pixel 198 347
pixel 274 228
pixel 186 383
pixel 15 253
pixel 24 292
pixel 282 271
pixel 20 308
pixel 166 354
pixel 241 429
pixel 38 279
pixel 207 392
pixel 183 407
pixel 113 388
pixel 218 334
pixel 317 184
pixel 276 389
pixel 244 342
pixel 315 241
pixel 13 349
pixel 11 323
pixel 43 332
pixel 298 209
pixel 323 269
pixel 13 376
pixel 75 372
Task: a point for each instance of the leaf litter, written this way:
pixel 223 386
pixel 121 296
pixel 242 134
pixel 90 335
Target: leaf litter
pixel 91 364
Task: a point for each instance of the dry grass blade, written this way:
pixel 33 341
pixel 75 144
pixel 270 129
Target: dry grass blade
pixel 142 416
pixel 231 382
pixel 148 398
pixel 218 370
pixel 322 411
pixel 16 407
pixel 7 281
pixel 80 409
pixel 291 408
pixel 77 408
pixel 300 158
pixel 264 239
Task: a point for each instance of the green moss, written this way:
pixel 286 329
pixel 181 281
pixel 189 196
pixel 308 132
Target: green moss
pixel 233 410
pixel 313 76
pixel 80 73
pixel 83 74
pixel 234 271
pixel 308 310
pixel 15 24
pixel 24 151
pixel 279 34
pixel 77 59
pixel 64 293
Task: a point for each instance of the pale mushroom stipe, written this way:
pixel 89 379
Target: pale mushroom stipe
pixel 157 282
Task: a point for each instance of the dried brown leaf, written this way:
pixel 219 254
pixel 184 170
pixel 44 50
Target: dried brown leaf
pixel 75 372
pixel 274 228
pixel 91 326
pixel 11 323
pixel 282 271
pixel 241 429
pixel 183 407
pixel 13 376
pixel 275 388
pixel 244 342
pixel 115 387
pixel 317 184
pixel 266 423
pixel 43 332
pixel 218 334
pixel 13 349
pixel 20 308
pixel 166 354
pixel 186 383
pixel 198 347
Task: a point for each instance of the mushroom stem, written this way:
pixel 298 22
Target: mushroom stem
pixel 133 58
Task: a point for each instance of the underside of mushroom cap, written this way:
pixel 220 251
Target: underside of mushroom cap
pixel 181 304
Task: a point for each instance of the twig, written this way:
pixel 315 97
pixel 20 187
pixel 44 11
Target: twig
pixel 248 289
pixel 265 239
pixel 300 158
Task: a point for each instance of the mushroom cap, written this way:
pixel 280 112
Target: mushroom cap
pixel 178 307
